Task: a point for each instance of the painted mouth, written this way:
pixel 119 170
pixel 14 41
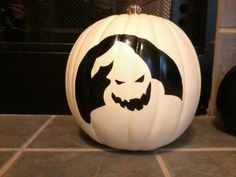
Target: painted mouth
pixel 135 103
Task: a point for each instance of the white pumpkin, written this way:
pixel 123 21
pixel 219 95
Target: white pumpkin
pixel 133 81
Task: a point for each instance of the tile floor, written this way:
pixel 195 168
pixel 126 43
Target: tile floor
pixel 54 146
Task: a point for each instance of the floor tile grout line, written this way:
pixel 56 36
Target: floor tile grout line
pixel 32 115
pixel 203 149
pixel 227 30
pixel 34 136
pixel 163 165
pixel 11 161
pixel 9 149
pixel 213 149
pixel 77 149
pixel 65 150
pixel 159 150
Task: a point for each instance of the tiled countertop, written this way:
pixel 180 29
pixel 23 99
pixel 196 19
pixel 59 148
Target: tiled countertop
pixel 54 146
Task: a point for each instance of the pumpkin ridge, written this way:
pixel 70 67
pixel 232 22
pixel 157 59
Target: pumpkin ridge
pixel 129 121
pixel 136 52
pixel 71 63
pixel 144 146
pixel 90 30
pixel 196 61
pixel 128 126
pixel 92 130
pixel 105 28
pixel 178 31
pixel 170 28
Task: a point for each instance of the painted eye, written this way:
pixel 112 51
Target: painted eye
pixel 119 82
pixel 140 79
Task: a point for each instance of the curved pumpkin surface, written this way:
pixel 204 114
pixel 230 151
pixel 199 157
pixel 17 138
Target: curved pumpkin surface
pixel 133 81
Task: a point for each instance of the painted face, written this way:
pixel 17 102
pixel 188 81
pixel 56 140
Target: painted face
pixel 123 72
pixel 130 86
pixel 130 100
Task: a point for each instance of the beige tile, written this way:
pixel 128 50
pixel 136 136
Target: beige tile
pixel 99 164
pixel 225 59
pixel 201 164
pixel 227 52
pixel 4 157
pixel 16 130
pixel 63 132
pixel 203 133
pixel 228 16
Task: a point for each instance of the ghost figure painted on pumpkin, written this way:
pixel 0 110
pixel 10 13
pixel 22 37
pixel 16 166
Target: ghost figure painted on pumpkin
pixel 122 86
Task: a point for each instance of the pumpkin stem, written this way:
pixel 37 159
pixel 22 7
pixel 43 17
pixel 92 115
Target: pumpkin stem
pixel 134 9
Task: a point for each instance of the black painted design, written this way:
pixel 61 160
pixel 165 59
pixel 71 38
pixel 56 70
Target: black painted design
pixel 89 91
pixel 119 82
pixel 141 79
pixel 135 103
